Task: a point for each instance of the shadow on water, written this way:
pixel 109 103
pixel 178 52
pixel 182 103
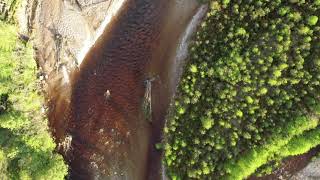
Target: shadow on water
pixel 98 118
pixel 168 60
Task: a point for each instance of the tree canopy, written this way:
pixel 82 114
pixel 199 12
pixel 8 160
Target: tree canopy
pixel 253 72
pixel 26 146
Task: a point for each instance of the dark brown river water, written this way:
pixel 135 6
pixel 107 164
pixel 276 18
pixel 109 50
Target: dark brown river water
pixel 97 119
pixel 99 114
pixel 112 130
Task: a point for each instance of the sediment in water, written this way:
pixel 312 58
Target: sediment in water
pixel 181 22
pixel 110 137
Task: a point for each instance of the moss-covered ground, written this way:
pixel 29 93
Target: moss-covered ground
pixel 250 91
pixel 26 146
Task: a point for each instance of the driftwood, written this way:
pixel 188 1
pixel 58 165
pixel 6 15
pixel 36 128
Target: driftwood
pixel 147 103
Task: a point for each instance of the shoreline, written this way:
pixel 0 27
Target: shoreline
pixel 110 138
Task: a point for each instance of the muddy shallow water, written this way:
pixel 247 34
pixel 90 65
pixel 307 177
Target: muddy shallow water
pixel 98 118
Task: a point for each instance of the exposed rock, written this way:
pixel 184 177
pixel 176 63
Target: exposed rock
pixel 62 32
pixel 7 10
pixel 311 172
pixel 99 128
pixel 60 29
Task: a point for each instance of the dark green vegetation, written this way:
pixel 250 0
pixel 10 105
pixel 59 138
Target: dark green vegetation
pixel 26 147
pixel 250 92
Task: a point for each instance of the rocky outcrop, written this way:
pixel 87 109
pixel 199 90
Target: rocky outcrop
pixel 94 107
pixel 8 10
pixel 311 172
pixel 112 139
pixel 62 32
pixel 62 29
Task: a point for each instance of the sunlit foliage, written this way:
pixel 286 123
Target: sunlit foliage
pixel 253 74
pixel 26 147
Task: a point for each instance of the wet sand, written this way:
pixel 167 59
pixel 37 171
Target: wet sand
pixel 111 138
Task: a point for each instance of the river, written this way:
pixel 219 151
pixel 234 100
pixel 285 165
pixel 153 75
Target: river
pixel 98 117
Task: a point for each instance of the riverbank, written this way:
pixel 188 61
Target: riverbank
pixel 181 22
pixel 110 137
